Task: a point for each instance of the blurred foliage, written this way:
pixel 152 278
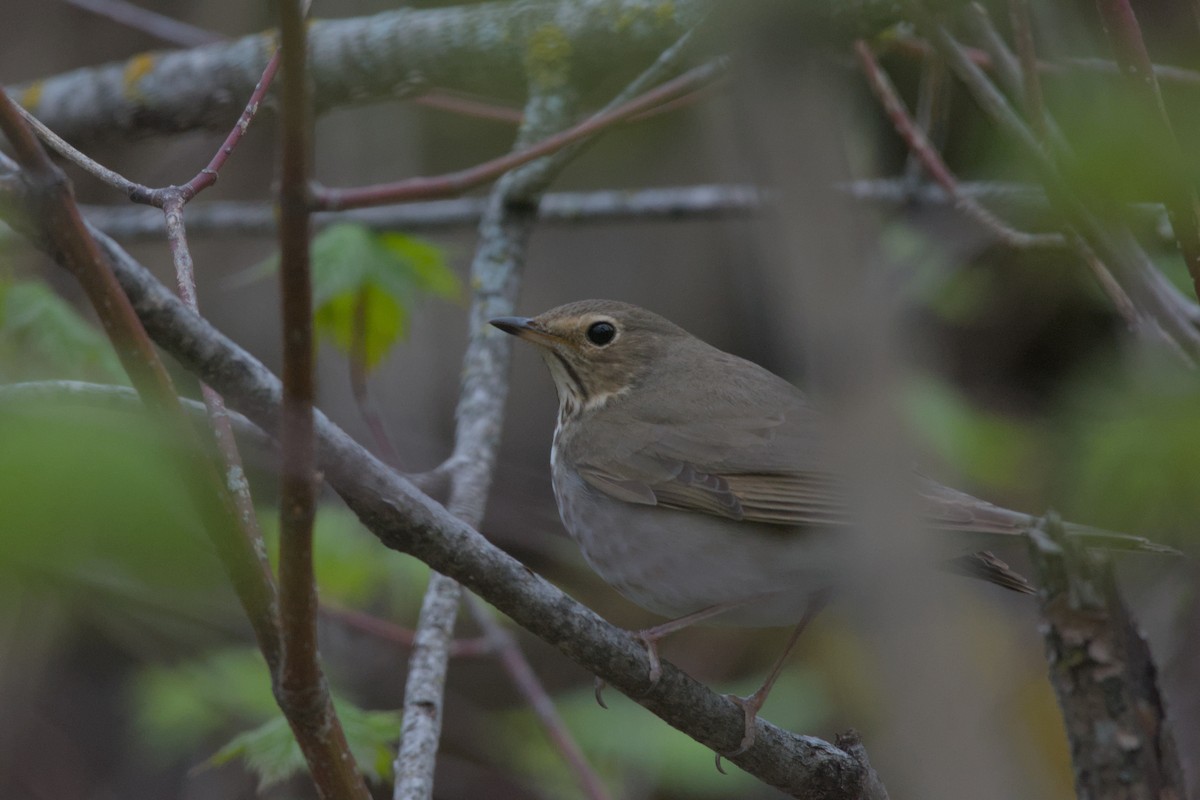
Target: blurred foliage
pixel 202 698
pixel 986 447
pixel 629 746
pixel 180 708
pixel 368 278
pixel 43 336
pixel 1127 449
pixel 98 491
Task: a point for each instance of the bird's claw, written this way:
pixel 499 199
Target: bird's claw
pixel 599 691
pixel 750 707
pixel 651 645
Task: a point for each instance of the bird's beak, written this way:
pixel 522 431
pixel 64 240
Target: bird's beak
pixel 523 328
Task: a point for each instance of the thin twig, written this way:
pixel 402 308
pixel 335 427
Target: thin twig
pixel 147 21
pixel 525 679
pixel 218 417
pixel 388 631
pixel 300 683
pixel 449 184
pixel 140 193
pixel 1182 200
pixel 234 218
pixel 920 146
pixel 1114 244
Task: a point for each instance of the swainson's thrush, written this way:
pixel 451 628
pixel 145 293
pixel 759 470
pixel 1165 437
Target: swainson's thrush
pixel 698 484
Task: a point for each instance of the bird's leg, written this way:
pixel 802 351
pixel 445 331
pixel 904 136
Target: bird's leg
pixel 753 703
pixel 651 636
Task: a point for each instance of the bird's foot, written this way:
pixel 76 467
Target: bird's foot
pixel 750 705
pixel 649 639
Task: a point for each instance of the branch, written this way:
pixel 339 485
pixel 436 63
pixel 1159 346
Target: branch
pixel 1182 202
pixel 406 520
pixel 481 48
pixel 299 682
pixel 495 277
pixel 232 218
pixel 920 146
pixel 1101 670
pixel 1161 314
pixel 454 183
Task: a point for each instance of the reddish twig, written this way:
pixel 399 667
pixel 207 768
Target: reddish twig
pixel 1182 201
pixel 455 103
pixel 425 188
pixel 208 176
pixel 920 146
pixel 388 631
pixel 505 646
pixel 913 47
pixel 300 683
pixel 140 193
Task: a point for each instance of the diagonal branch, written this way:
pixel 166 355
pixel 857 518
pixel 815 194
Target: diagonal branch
pixel 405 519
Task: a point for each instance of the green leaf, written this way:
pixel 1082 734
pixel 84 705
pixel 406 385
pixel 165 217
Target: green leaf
pixel 378 275
pixel 43 336
pixel 272 753
pixel 177 708
pixel 426 263
pixel 357 272
pixel 384 321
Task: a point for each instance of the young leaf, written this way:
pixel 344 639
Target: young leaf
pixel 43 336
pixel 367 281
pixel 271 752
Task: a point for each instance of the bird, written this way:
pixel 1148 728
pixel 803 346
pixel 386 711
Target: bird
pixel 700 485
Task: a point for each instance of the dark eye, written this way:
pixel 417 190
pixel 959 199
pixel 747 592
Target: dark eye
pixel 601 333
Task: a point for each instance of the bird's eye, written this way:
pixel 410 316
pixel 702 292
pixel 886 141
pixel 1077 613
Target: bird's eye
pixel 601 333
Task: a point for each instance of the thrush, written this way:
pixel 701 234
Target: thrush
pixel 699 484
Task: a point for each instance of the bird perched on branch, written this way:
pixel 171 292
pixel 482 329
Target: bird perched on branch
pixel 700 485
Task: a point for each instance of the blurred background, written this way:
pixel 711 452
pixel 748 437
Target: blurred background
pixel 126 669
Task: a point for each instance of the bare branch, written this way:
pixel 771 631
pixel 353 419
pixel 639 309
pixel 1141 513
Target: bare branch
pixel 479 48
pixel 1100 666
pixel 495 277
pixel 682 203
pixel 147 21
pixel 921 147
pixel 453 183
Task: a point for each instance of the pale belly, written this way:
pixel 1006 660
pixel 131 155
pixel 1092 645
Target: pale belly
pixel 676 562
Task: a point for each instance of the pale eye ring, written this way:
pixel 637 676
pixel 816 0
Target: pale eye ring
pixel 601 333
